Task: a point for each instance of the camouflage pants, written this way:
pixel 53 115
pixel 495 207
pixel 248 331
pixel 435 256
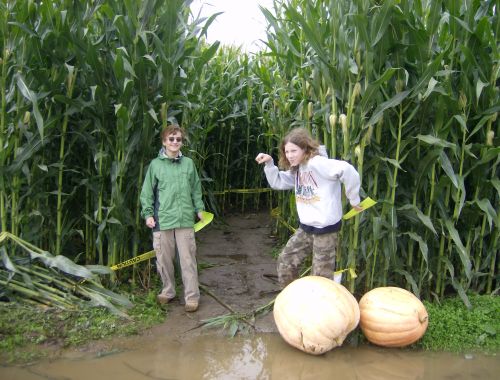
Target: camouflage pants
pixel 298 247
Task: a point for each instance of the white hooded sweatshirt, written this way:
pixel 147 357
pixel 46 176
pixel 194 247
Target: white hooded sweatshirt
pixel 317 186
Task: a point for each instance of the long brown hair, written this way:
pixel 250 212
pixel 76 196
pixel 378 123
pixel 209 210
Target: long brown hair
pixel 303 139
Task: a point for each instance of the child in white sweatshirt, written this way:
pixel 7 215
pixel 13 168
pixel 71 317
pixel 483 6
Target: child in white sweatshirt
pixel 317 182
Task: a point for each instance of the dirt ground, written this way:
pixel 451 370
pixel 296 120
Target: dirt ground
pixel 240 275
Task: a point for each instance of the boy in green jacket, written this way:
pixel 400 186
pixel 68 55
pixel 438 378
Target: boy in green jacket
pixel 170 197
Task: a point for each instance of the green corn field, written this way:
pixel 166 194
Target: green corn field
pixel 405 90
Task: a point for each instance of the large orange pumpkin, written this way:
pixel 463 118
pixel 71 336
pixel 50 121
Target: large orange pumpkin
pixel 315 314
pixel 392 317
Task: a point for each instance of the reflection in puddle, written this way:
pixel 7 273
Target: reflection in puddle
pixel 262 356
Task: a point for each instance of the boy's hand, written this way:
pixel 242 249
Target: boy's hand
pixel 150 222
pixel 262 158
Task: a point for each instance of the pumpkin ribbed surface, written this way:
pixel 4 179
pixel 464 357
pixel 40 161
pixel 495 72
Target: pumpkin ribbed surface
pixel 392 317
pixel 315 314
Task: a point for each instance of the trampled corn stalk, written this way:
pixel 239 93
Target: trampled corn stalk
pixel 53 280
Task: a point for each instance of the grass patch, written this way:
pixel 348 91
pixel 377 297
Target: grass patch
pixel 26 329
pixel 454 328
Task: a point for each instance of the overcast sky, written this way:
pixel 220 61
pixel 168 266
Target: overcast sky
pixel 241 24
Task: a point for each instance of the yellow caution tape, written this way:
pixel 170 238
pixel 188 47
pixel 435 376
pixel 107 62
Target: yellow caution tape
pixel 337 275
pixel 367 203
pixel 243 191
pixel 275 213
pixel 351 271
pixel 207 219
pixel 285 223
pixel 134 260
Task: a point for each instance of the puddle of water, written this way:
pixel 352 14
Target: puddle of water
pixel 261 356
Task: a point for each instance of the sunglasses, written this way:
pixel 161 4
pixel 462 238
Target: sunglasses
pixel 172 139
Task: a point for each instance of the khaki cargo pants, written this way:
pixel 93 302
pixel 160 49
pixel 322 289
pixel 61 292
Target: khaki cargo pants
pixel 164 243
pixel 298 247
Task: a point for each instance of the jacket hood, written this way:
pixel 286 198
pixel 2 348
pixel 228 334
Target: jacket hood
pixel 162 154
pixel 322 151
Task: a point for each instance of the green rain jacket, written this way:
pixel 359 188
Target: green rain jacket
pixel 171 192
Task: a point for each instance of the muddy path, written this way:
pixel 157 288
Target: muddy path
pixel 235 254
pixel 237 276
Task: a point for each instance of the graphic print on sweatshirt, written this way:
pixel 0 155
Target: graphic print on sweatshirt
pixel 306 188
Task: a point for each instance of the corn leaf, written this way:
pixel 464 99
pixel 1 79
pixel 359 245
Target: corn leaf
pixel 423 218
pixel 448 169
pixel 485 205
pixel 381 21
pixel 464 258
pixel 460 290
pixel 409 278
pixel 32 97
pixel 391 103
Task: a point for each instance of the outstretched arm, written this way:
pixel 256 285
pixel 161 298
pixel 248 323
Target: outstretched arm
pixel 278 180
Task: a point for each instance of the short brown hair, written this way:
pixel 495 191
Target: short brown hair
pixel 170 129
pixel 303 139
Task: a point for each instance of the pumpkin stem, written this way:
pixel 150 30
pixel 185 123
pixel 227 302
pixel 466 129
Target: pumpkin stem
pixel 423 318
